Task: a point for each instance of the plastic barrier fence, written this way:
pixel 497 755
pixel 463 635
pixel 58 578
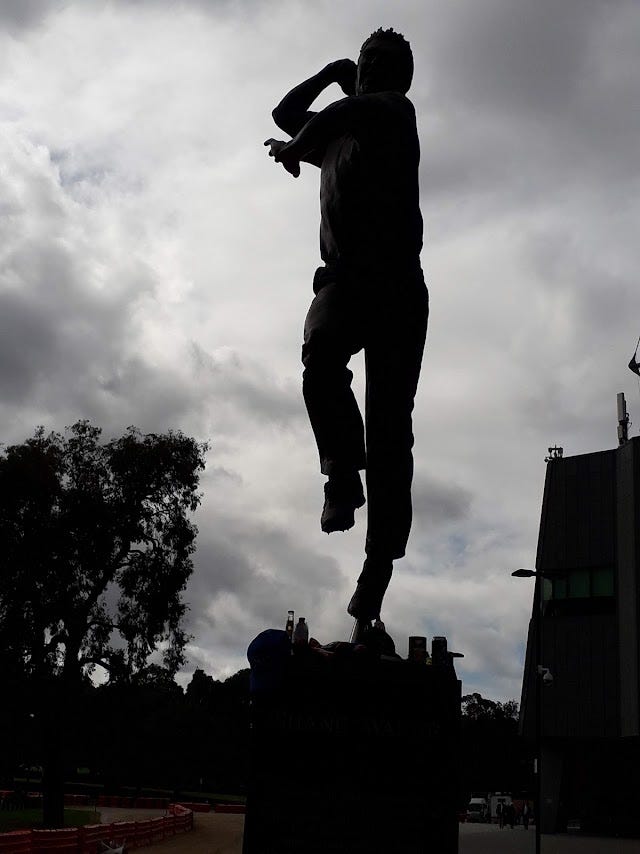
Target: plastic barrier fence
pixel 195 807
pixel 15 842
pixel 84 840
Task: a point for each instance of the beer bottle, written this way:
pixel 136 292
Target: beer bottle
pixel 439 652
pixel 289 626
pixel 418 649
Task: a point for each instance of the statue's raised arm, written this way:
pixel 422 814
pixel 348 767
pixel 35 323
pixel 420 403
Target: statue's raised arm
pixel 293 113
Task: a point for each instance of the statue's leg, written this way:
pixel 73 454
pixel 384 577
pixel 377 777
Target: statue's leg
pixel 332 334
pixel 393 354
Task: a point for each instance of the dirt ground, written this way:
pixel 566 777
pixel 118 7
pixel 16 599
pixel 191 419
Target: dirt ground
pixel 213 833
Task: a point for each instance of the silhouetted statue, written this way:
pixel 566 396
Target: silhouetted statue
pixel 370 294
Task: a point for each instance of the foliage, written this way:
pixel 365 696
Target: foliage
pixel 149 732
pixel 26 819
pixel 97 549
pixel 476 707
pixel 494 757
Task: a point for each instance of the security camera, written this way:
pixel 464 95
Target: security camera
pixel 547 677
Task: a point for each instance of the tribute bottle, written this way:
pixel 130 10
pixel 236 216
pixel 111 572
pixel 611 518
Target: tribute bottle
pixel 289 626
pixel 301 633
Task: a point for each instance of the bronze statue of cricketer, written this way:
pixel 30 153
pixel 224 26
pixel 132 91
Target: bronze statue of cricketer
pixel 369 294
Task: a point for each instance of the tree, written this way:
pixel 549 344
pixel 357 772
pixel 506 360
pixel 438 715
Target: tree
pixel 493 755
pixel 97 549
pixel 219 716
pixel 476 707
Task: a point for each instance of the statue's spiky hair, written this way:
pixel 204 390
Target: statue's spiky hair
pixel 404 54
pixel 390 35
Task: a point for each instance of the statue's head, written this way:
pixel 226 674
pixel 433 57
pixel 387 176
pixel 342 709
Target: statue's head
pixel 385 63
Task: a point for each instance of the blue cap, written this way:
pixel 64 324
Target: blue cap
pixel 268 654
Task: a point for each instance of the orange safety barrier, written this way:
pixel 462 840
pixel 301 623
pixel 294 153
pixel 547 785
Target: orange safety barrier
pixel 90 835
pixel 187 814
pixel 157 829
pixel 180 823
pixel 85 840
pixel 232 808
pixel 64 841
pixel 169 825
pixel 15 842
pixel 123 830
pixel 196 807
pixel 143 833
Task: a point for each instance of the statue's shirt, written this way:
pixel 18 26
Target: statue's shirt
pixel 369 195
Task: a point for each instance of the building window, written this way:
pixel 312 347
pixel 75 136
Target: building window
pixel 580 584
pixel 602 582
pixel 580 591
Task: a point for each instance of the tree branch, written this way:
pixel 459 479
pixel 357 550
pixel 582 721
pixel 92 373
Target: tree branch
pixel 89 660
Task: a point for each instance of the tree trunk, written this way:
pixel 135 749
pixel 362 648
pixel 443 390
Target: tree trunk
pixel 60 703
pixel 53 766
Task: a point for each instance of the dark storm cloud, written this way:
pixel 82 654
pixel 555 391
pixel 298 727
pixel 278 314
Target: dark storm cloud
pixel 27 340
pixel 262 566
pixel 247 386
pixel 526 102
pixel 531 58
pixel 18 14
pixel 436 503
pixel 591 281
pixel 74 295
pixel 75 298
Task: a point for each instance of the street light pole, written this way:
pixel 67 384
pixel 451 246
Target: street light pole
pixel 537 612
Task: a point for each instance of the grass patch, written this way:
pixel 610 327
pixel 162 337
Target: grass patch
pixel 213 796
pixel 32 818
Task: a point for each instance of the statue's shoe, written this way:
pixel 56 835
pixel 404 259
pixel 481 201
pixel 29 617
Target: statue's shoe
pixel 366 602
pixel 342 497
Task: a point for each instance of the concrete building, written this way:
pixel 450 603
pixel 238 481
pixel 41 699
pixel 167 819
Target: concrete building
pixel 589 551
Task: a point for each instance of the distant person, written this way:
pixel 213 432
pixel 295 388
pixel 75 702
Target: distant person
pixel 510 815
pixel 525 815
pixel 500 814
pixel 370 294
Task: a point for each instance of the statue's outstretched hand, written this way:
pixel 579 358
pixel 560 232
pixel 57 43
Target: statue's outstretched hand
pixel 278 150
pixel 274 146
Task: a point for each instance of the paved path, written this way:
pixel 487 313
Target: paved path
pixel 489 839
pixel 221 833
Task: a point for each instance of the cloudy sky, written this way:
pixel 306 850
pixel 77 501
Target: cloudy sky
pixel 156 269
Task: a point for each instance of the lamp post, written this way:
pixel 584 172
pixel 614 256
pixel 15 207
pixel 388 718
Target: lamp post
pixel 539 672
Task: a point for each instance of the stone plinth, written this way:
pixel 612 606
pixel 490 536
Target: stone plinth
pixel 355 756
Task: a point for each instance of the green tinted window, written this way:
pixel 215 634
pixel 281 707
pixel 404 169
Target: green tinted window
pixel 560 588
pixel 579 584
pixel 547 589
pixel 602 582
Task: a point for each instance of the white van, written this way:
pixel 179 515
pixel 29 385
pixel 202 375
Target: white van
pixel 477 809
